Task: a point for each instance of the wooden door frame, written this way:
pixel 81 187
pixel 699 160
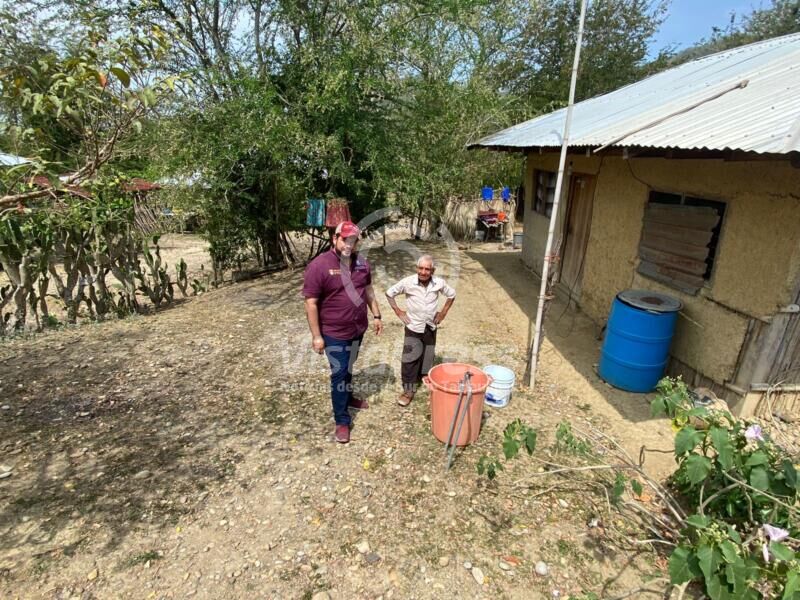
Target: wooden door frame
pixel 573 289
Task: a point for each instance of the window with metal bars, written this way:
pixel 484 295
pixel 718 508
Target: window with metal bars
pixel 544 192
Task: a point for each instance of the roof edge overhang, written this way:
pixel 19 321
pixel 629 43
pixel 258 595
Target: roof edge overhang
pixel 726 154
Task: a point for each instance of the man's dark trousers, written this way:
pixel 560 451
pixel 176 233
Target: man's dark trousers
pixel 417 360
pixel 342 354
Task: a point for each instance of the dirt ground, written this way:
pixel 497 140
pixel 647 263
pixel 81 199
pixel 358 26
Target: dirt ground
pixel 189 453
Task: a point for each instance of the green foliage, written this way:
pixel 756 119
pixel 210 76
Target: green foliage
pixel 740 490
pixel 726 453
pixel 490 466
pixel 516 436
pixel 778 17
pixel 567 442
pixel 181 276
pixel 198 287
pixel 281 101
pixel 68 106
pixel 614 53
pixel 740 484
pixel 78 246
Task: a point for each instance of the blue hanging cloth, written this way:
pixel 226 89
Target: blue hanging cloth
pixel 487 193
pixel 315 212
pixel 506 194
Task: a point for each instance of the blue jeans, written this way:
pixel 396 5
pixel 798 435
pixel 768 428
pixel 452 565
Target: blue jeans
pixel 342 354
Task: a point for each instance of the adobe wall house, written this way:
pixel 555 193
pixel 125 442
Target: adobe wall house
pixel 687 183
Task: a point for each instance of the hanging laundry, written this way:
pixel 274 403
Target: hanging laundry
pixel 337 212
pixel 315 212
pixel 506 194
pixel 487 193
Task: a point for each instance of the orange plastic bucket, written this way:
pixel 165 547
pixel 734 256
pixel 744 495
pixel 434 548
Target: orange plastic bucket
pixel 443 381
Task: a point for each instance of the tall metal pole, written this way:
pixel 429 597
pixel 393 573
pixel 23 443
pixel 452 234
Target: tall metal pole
pixel 537 333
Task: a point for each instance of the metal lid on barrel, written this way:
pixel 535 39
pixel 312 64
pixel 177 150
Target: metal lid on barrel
pixel 650 301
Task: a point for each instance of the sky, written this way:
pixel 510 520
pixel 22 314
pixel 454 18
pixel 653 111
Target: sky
pixel 688 21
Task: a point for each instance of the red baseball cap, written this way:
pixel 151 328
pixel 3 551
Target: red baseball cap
pixel 347 229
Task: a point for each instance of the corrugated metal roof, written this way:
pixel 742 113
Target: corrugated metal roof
pixel 9 160
pixel 763 116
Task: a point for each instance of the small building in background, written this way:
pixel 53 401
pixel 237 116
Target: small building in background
pixel 685 183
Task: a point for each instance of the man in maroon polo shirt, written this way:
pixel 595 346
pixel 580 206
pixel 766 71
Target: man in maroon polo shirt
pixel 337 287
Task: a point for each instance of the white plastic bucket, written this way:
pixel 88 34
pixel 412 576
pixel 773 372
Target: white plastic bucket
pixel 480 235
pixel 499 391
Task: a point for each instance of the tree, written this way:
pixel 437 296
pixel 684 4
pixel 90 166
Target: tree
pixel 68 109
pixel 362 100
pixel 782 17
pixel 368 100
pixel 614 54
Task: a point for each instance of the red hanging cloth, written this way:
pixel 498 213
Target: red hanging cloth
pixel 337 211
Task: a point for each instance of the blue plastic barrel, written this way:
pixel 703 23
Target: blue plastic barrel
pixel 638 336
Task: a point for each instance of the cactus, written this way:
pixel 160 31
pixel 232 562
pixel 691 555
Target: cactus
pixel 198 287
pixel 76 246
pixel 182 279
pixel 5 298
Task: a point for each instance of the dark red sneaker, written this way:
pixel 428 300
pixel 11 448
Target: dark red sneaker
pixel 358 404
pixel 342 434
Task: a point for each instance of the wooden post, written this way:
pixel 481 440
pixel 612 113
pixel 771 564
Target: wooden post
pixel 537 332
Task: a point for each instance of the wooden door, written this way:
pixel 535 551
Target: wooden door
pixel 576 233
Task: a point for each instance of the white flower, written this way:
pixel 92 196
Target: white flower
pixel 753 433
pixel 775 534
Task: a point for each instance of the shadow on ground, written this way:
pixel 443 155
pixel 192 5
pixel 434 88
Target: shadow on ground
pixel 571 332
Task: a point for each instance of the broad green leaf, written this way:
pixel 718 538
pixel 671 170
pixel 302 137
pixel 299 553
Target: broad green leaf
pixel 728 552
pixel 781 551
pixel 759 457
pixel 790 474
pixel 698 521
pixel 510 448
pixel 717 589
pixel 736 574
pixel 679 569
pixel 636 487
pixel 721 441
pixel 686 439
pixel 705 558
pixel 734 535
pixel 619 488
pixel 759 478
pixel 792 584
pixel 530 441
pixel 124 78
pixel 697 468
pixel 658 408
